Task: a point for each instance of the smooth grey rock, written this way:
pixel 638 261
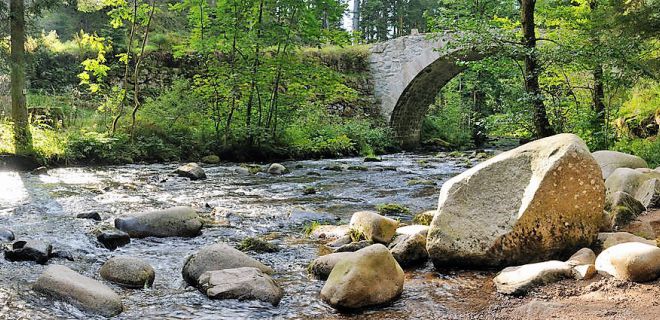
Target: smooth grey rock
pixel 612 160
pixel 30 250
pixel 373 226
pixel 218 256
pixel 518 280
pixel 85 293
pixel 128 272
pixel 192 171
pixel 89 215
pixel 172 222
pixel 112 238
pixel 241 283
pixel 648 193
pixel 539 201
pixel 6 235
pixel 368 277
pixel 628 180
pixel 409 250
pixel 323 265
pixel 630 261
pixel 610 239
pixel 582 257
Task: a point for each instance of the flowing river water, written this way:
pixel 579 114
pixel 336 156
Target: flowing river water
pixel 245 205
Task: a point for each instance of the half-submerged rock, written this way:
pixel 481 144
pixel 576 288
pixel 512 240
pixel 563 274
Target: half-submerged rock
pixel 245 283
pixel 630 261
pixel 219 256
pixel 321 267
pixel 85 293
pixel 172 222
pixel 30 250
pixel 192 171
pixel 537 202
pixel 373 226
pixel 128 272
pixel 368 277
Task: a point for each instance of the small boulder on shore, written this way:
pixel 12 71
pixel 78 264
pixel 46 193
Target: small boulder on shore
pixel 373 226
pixel 30 250
pixel 631 261
pixel 211 159
pixel 128 272
pixel 218 256
pixel 520 279
pixel 83 292
pixel 172 222
pixel 191 171
pixel 610 239
pixel 368 277
pixel 623 208
pixel 245 283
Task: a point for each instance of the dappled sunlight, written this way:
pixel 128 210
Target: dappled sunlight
pixel 12 189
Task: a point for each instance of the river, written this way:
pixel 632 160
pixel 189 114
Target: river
pixel 244 205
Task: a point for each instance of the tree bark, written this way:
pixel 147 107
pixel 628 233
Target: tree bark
pixel 22 137
pixel 599 95
pixel 532 69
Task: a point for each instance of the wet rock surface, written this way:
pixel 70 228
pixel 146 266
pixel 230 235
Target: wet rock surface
pixel 129 272
pixel 172 222
pixel 29 250
pixel 241 283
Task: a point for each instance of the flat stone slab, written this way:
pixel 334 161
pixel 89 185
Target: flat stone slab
pixel 241 283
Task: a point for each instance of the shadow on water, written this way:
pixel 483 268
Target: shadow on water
pixel 45 206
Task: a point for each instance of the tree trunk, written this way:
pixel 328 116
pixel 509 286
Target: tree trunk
pixel 599 95
pixel 22 137
pixel 532 70
pixel 356 15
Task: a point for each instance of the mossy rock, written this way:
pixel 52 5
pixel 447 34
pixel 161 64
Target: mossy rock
pixel 309 190
pixel 334 167
pixel 392 208
pixel 253 168
pixel 372 159
pixel 417 182
pixel 358 168
pixel 424 218
pixel 257 245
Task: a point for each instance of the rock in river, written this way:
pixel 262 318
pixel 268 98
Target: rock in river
pixel 631 261
pixel 172 222
pixel 85 293
pixel 409 250
pixel 277 169
pixel 518 280
pixel 30 250
pixel 192 171
pixel 219 256
pixel 612 160
pixel 240 283
pixel 6 235
pixel 373 226
pixel 128 272
pixel 539 201
pixel 113 238
pixel 323 265
pixel 368 277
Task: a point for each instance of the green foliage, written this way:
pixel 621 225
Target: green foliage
pixel 423 218
pixel 392 209
pixel 257 245
pixel 648 149
pixel 309 228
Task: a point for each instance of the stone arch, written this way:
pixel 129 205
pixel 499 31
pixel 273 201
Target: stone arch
pixel 408 72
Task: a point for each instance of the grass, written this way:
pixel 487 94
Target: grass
pixel 392 208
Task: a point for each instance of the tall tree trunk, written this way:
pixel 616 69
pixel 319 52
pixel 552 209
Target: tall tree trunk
pixel 599 95
pixel 22 137
pixel 532 70
pixel 356 15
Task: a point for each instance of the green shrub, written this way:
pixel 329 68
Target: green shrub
pixel 649 149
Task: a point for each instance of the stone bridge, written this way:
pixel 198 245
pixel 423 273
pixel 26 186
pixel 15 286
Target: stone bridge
pixel 408 72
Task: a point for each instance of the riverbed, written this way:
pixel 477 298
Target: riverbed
pixel 238 205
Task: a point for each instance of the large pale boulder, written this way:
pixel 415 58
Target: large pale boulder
pixel 612 160
pixel 241 283
pixel 631 261
pixel 540 201
pixel 373 226
pixel 172 222
pixel 85 293
pixel 369 277
pixel 129 272
pixel 518 280
pixel 218 256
